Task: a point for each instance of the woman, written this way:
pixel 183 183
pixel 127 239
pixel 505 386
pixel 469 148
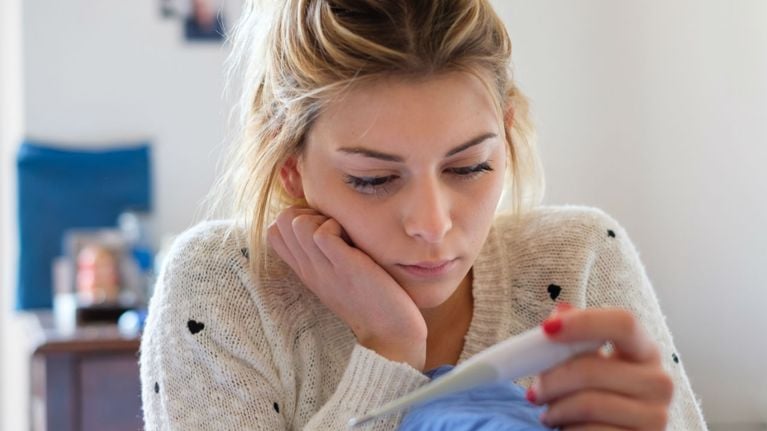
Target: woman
pixel 364 246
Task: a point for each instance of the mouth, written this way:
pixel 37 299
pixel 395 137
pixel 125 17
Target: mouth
pixel 429 269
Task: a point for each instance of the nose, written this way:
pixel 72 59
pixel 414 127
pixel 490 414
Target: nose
pixel 427 212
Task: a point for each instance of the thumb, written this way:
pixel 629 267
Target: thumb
pixel 561 307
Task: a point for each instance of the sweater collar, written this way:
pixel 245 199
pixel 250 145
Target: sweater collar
pixel 492 297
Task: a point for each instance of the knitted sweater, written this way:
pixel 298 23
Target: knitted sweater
pixel 223 351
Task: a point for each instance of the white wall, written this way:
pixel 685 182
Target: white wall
pixel 103 70
pixel 12 382
pixel 656 111
pixel 95 72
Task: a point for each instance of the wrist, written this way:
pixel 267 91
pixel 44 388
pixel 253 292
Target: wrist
pixel 410 352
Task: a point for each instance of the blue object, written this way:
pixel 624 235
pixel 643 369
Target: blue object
pixel 144 258
pixel 496 407
pixel 193 30
pixel 64 188
pixel 131 322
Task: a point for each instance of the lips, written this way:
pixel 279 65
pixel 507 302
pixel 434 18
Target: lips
pixel 430 269
pixel 431 264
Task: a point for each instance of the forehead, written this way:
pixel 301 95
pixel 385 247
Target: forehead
pixel 401 114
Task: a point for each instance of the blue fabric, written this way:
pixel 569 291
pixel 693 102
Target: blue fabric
pixel 60 189
pixel 500 406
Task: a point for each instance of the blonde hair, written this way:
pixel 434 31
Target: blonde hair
pixel 293 56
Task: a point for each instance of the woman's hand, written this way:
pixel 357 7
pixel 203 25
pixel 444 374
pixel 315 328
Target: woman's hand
pixel 353 286
pixel 625 390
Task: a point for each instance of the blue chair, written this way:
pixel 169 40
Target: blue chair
pixel 64 188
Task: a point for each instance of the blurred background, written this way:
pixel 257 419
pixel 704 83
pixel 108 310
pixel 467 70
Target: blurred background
pixel 654 111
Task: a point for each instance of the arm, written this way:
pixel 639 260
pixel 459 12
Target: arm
pixel 370 380
pixel 618 279
pixel 207 361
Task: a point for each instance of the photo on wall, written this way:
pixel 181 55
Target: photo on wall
pixel 202 20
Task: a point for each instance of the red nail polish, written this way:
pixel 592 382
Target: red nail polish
pixel 530 395
pixel 552 326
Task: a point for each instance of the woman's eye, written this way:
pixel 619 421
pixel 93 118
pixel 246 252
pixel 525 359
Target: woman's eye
pixel 471 171
pixel 382 185
pixel 370 185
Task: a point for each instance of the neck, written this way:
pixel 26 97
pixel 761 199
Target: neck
pixel 448 323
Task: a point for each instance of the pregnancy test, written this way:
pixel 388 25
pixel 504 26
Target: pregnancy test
pixel 526 354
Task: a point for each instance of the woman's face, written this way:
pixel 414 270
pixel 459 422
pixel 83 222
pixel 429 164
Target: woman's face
pixel 413 171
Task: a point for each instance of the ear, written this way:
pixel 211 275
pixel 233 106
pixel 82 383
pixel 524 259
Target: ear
pixel 508 117
pixel 291 178
pixel 508 123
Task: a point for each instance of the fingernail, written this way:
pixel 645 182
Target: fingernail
pixel 563 306
pixel 533 391
pixel 552 325
pixel 530 395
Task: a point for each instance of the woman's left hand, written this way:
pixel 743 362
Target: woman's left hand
pixel 627 389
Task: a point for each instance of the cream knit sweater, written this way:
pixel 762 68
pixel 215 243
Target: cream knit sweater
pixel 222 351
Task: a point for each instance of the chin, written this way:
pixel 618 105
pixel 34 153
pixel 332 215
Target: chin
pixel 432 295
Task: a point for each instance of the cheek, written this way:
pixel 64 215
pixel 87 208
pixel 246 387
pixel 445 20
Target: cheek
pixel 483 196
pixel 322 190
pixel 367 225
pixel 477 210
pixel 363 222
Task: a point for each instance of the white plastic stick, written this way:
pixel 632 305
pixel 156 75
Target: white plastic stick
pixel 524 355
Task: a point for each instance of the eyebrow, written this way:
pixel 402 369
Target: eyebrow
pixel 395 158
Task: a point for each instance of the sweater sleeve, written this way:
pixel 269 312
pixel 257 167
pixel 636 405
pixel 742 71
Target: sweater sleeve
pixel 618 279
pixel 369 381
pixel 209 359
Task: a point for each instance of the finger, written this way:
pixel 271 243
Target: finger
pixel 612 324
pixel 284 223
pixel 304 227
pixel 329 239
pixel 278 244
pixel 596 407
pixel 596 372
pixel 297 210
pixel 561 307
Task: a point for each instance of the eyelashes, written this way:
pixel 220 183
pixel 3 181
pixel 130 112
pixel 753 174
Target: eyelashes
pixel 371 185
pixel 383 184
pixel 470 171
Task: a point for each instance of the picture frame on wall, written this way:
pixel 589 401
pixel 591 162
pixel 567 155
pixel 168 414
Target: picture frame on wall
pixel 98 257
pixel 202 20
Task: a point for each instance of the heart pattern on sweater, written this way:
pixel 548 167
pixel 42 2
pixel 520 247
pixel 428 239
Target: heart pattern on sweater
pixel 554 291
pixel 195 326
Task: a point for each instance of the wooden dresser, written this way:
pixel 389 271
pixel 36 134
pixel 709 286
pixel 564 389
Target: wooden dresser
pixel 86 379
